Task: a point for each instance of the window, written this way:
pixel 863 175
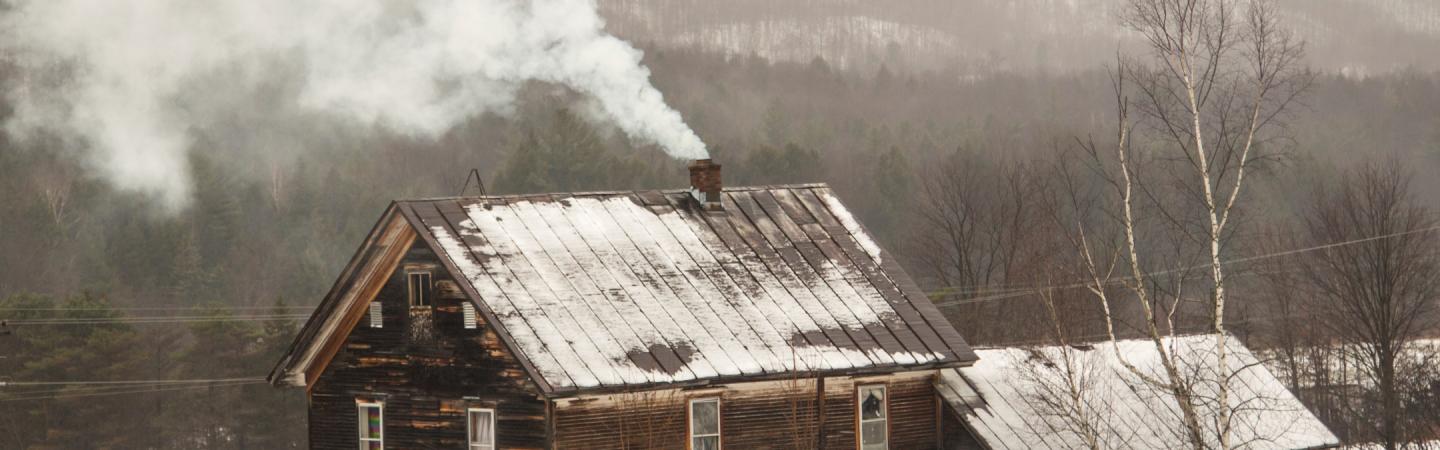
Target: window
pixel 705 424
pixel 377 320
pixel 469 311
pixel 481 423
pixel 874 428
pixel 419 288
pixel 372 425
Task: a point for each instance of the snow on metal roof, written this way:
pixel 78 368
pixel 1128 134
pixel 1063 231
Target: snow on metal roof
pixel 1020 398
pixel 630 289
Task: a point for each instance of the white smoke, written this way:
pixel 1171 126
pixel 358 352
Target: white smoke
pixel 109 76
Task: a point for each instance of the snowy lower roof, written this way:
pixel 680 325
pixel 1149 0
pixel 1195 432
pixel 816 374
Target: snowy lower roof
pixel 630 289
pixel 1021 398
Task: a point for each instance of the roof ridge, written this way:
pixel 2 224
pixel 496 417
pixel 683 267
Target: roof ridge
pixel 758 187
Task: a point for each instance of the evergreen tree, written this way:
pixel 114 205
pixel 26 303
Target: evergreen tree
pixel 89 346
pixel 789 164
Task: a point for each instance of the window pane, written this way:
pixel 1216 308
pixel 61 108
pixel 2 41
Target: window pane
pixel 375 445
pixel 704 417
pixel 872 435
pixel 482 428
pixel 372 422
pixel 419 288
pixel 872 403
pixel 474 428
pixel 705 443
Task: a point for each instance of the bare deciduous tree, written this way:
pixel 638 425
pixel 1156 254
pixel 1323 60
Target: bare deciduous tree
pixel 650 420
pixel 1380 295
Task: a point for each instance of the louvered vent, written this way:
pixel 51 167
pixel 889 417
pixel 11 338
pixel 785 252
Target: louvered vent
pixel 376 319
pixel 469 310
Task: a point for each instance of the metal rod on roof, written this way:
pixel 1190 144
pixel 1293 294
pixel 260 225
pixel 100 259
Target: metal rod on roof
pixel 479 183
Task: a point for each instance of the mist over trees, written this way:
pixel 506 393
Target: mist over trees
pixel 974 178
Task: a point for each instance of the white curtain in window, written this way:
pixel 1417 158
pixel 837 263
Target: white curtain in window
pixel 482 429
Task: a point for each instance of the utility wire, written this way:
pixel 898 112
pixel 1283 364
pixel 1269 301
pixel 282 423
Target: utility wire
pixel 85 389
pixel 159 308
pixel 125 382
pixel 1184 269
pixel 150 320
pixel 132 391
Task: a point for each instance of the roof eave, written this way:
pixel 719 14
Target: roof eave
pixel 565 392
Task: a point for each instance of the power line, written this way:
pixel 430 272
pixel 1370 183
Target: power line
pixel 133 391
pixel 153 319
pixel 105 388
pixel 126 382
pixel 158 308
pixel 1026 292
pixel 1077 285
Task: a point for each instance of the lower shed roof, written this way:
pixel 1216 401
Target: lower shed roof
pixel 1019 398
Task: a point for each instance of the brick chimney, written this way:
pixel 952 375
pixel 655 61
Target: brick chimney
pixel 705 183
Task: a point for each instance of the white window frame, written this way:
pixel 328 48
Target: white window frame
pixel 690 423
pixel 471 445
pixel 363 422
pixel 420 295
pixel 860 419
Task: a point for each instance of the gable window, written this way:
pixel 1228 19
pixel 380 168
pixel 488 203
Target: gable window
pixel 874 424
pixel 705 424
pixel 419 288
pixel 372 425
pixel 481 426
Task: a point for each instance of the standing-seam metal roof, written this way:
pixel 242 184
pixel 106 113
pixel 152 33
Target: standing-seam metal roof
pixel 619 290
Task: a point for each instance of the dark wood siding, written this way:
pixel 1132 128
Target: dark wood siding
pixel 427 369
pixel 758 415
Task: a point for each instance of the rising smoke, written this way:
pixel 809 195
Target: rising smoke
pixel 110 79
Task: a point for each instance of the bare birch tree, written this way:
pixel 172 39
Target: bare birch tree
pixel 1064 383
pixel 1195 111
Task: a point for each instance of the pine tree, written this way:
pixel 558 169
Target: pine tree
pixel 98 349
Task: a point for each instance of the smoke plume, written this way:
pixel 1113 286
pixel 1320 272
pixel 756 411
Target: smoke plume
pixel 111 78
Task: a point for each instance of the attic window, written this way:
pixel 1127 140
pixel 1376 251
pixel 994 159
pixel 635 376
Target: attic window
pixel 419 288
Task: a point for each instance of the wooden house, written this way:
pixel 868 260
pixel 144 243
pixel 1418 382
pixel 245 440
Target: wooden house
pixel 707 318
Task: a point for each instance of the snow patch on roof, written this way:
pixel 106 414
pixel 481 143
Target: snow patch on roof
pixel 843 214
